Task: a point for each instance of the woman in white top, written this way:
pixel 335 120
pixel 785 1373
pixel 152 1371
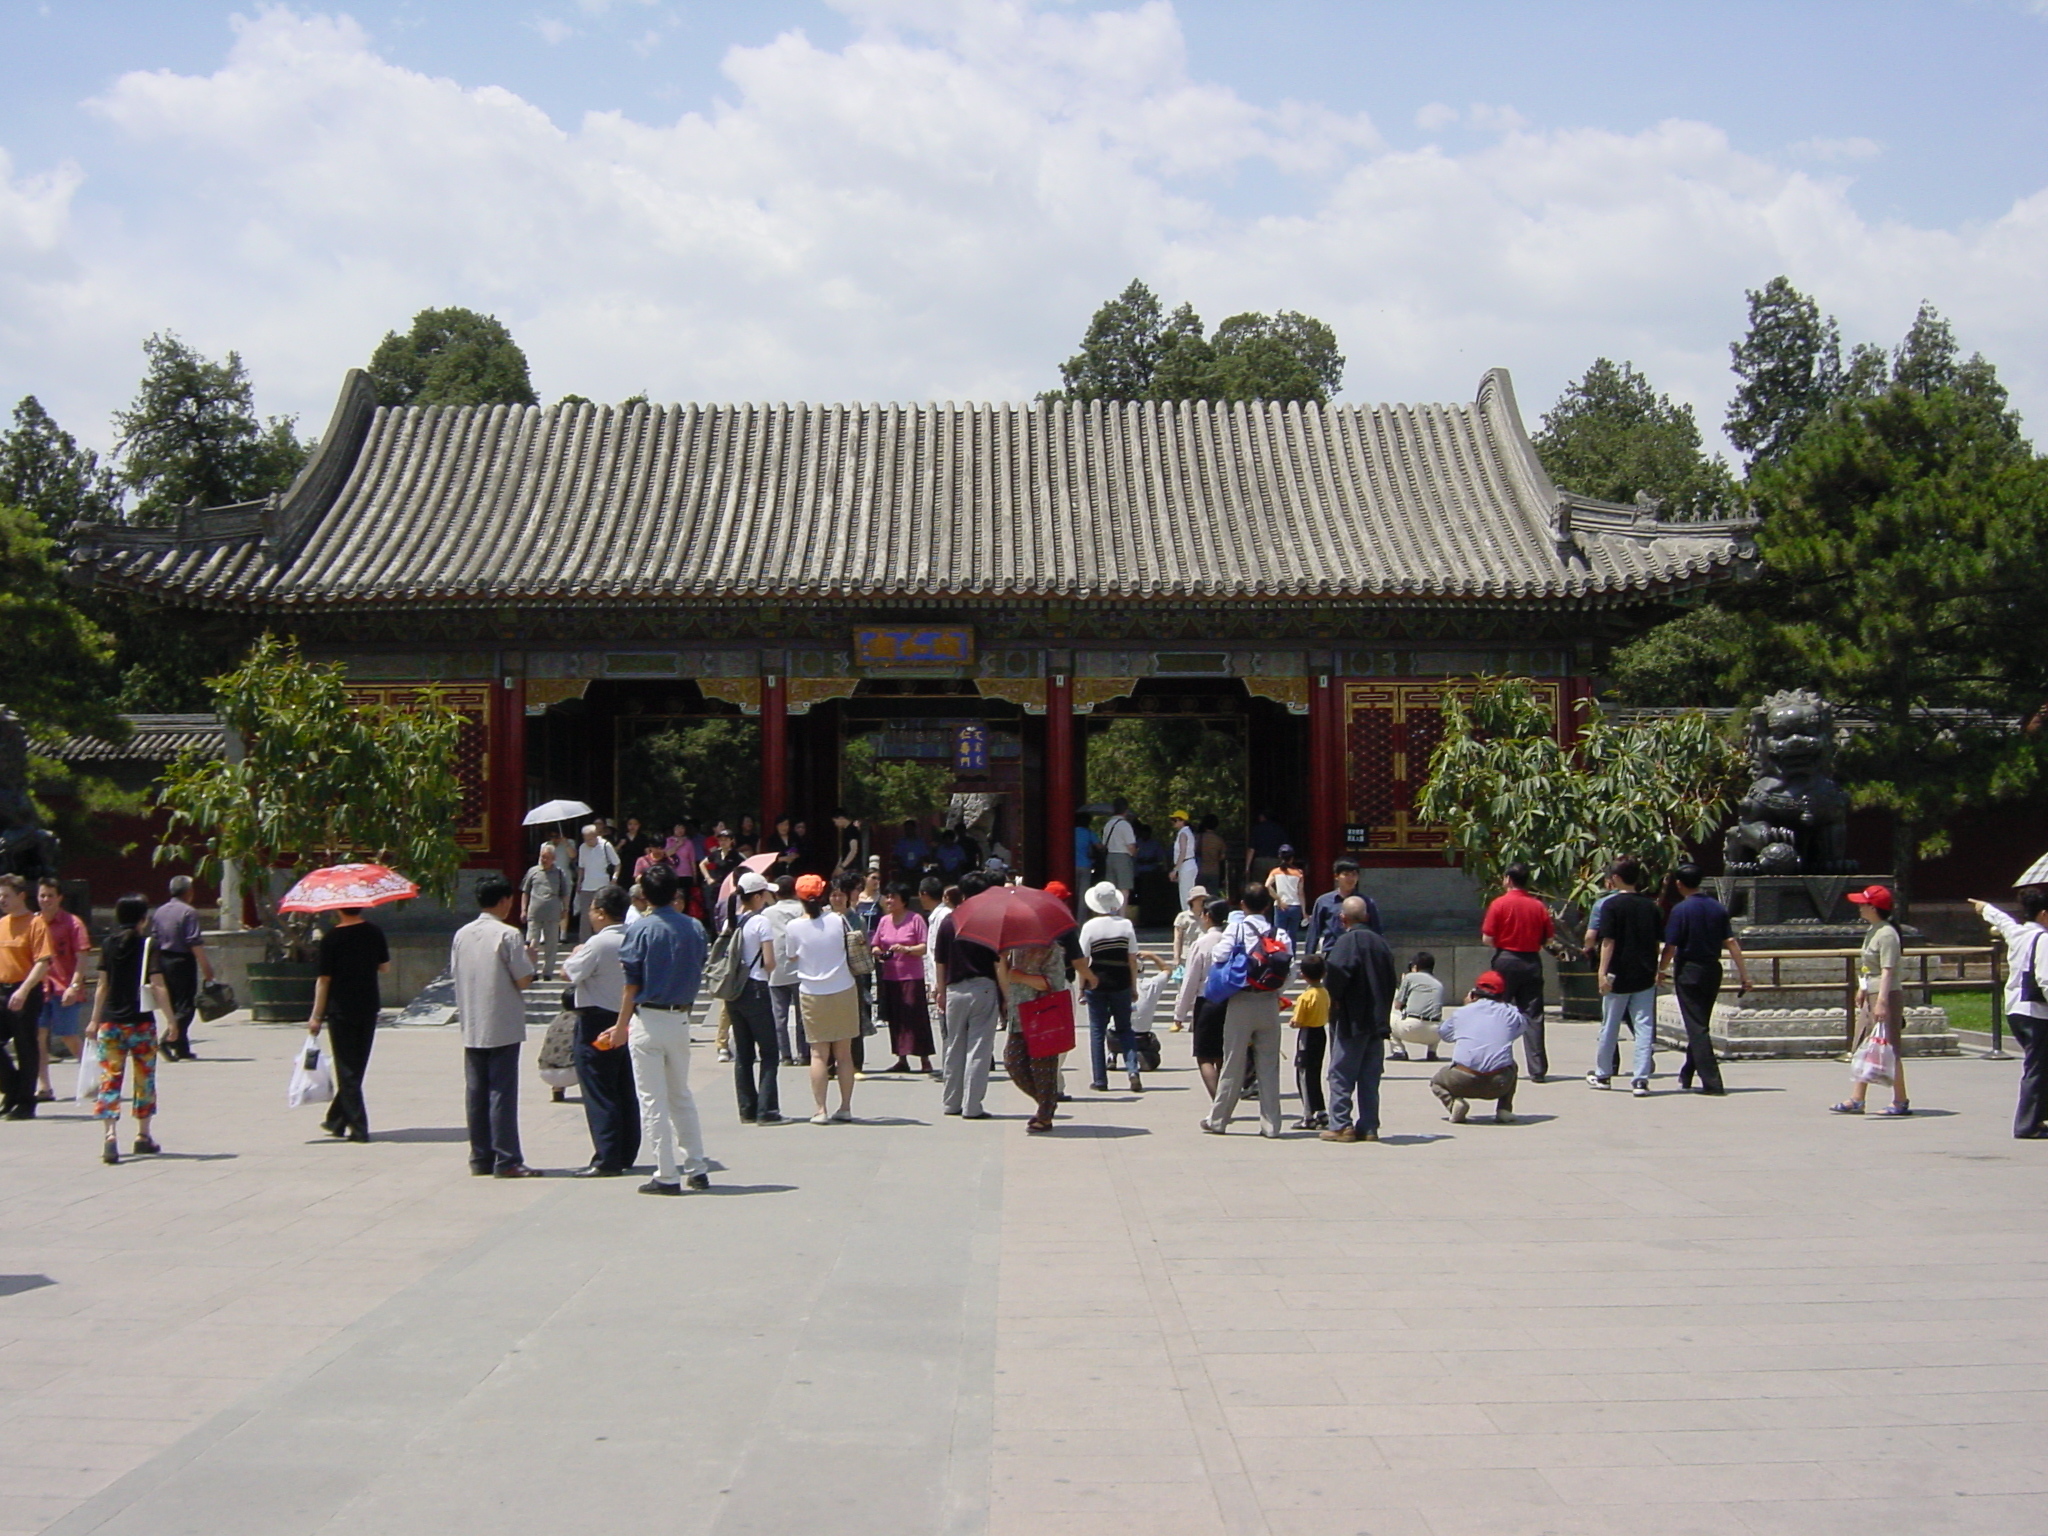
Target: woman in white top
pixel 831 1013
pixel 1285 881
pixel 1110 946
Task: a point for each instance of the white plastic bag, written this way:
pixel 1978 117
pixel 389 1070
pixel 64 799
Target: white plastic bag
pixel 88 1088
pixel 1875 1061
pixel 312 1081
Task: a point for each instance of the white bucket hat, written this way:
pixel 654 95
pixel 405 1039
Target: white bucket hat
pixel 1104 898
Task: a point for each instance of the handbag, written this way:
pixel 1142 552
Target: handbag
pixel 312 1082
pixel 1875 1061
pixel 860 955
pixel 1048 1022
pixel 724 977
pixel 216 1000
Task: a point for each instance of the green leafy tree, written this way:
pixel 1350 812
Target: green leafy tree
pixel 1288 356
pixel 43 469
pixel 451 357
pixel 192 435
pixel 1165 765
pixel 1905 537
pixel 1613 437
pixel 700 770
pixel 1506 790
pixel 884 792
pixel 1790 365
pixel 56 669
pixel 322 779
pixel 1134 350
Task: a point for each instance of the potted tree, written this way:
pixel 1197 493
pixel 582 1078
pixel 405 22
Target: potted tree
pixel 1506 789
pixel 319 778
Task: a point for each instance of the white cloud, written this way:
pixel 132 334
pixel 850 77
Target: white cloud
pixel 552 29
pixel 931 211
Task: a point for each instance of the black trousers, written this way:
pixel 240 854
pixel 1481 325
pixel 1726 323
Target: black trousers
pixel 349 1038
pixel 611 1105
pixel 754 1058
pixel 1523 972
pixel 1698 984
pixel 181 980
pixel 1309 1047
pixel 21 1058
pixel 491 1075
pixel 2032 1035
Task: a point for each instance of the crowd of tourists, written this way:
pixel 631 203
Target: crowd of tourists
pixel 831 972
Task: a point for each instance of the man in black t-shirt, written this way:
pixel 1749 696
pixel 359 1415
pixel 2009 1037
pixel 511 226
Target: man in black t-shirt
pixel 353 955
pixel 1626 937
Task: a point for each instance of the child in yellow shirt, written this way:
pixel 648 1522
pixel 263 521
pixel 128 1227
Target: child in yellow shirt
pixel 1311 1016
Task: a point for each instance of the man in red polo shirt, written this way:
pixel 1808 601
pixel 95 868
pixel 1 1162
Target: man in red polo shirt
pixel 1518 925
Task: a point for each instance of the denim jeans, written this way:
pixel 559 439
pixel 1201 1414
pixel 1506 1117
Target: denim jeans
pixel 1109 1022
pixel 1641 1011
pixel 1357 1066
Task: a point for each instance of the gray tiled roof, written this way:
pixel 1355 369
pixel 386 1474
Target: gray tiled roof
pixel 152 739
pixel 497 505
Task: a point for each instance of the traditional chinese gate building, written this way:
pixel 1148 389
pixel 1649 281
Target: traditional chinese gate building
pixel 569 574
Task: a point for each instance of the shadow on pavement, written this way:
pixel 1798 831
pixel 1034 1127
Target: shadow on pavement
pixel 750 1189
pixel 1099 1132
pixel 14 1285
pixel 423 1133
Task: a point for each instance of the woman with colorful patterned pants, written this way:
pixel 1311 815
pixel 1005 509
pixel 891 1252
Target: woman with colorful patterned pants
pixel 131 992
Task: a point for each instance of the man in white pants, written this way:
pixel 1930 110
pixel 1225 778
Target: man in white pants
pixel 1187 864
pixel 663 957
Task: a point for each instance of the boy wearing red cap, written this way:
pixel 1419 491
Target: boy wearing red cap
pixel 1482 1035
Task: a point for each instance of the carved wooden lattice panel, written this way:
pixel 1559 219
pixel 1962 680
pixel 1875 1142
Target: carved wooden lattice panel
pixel 472 701
pixel 1390 730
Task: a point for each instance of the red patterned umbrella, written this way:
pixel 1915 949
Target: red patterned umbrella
pixel 348 885
pixel 1012 916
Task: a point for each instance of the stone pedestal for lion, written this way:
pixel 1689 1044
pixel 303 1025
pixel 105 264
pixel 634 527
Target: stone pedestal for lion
pixel 1797 912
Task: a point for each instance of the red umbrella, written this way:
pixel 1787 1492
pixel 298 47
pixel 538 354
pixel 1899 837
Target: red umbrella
pixel 348 885
pixel 1012 916
pixel 759 863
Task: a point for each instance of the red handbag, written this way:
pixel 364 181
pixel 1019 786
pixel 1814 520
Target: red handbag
pixel 1048 1022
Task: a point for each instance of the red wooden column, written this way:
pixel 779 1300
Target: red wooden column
pixel 505 786
pixel 1325 779
pixel 774 749
pixel 1059 779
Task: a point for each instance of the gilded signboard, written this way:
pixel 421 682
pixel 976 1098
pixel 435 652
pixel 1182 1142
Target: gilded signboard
pixel 912 645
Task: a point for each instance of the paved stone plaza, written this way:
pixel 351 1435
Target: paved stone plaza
pixel 1681 1315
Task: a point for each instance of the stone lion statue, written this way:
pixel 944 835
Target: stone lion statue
pixel 1793 819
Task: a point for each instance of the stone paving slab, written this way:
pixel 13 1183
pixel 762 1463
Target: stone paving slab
pixel 1679 1315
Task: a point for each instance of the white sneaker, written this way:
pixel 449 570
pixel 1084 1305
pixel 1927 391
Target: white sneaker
pixel 1595 1080
pixel 821 1118
pixel 725 1055
pixel 1640 1087
pixel 843 1116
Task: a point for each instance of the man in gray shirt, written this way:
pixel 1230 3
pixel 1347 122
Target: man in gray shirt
pixel 1482 1035
pixel 492 966
pixel 181 945
pixel 544 893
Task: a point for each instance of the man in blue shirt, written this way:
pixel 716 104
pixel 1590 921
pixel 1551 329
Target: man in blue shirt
pixel 1695 934
pixel 1325 918
pixel 663 958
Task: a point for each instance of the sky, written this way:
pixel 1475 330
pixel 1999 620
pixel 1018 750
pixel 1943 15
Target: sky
pixel 926 199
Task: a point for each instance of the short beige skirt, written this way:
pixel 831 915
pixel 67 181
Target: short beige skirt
pixel 829 1016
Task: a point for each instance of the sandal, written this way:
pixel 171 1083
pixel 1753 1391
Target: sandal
pixel 1846 1107
pixel 1896 1110
pixel 1034 1124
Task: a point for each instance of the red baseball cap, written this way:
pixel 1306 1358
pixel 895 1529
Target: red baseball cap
pixel 1873 896
pixel 1492 983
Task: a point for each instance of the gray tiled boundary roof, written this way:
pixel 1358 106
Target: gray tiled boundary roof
pixel 152 739
pixel 450 506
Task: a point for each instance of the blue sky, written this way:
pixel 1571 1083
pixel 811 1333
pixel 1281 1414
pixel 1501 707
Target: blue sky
pixel 909 198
